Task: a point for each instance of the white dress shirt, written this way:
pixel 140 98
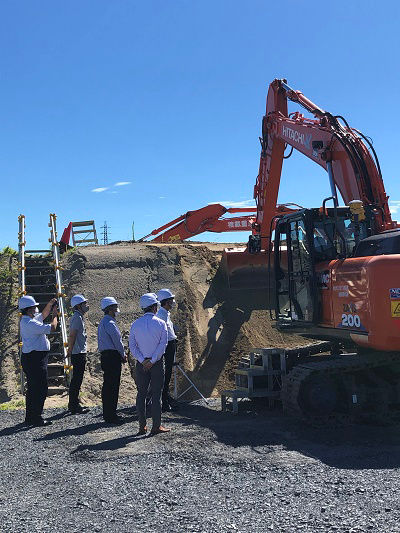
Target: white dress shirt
pixel 166 316
pixel 33 334
pixel 148 338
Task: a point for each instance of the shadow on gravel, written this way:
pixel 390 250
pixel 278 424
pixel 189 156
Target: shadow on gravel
pixel 77 431
pixel 12 430
pixel 108 445
pixel 59 416
pixel 352 447
pixel 268 436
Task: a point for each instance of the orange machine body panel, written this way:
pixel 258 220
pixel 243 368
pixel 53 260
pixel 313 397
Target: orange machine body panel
pixel 361 296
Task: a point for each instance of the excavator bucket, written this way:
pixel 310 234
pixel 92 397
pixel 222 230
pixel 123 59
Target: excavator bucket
pixel 247 271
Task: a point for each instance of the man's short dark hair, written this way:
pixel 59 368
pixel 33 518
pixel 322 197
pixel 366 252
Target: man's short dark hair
pixel 149 309
pixel 163 302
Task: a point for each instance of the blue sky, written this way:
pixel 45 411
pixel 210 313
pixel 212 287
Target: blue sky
pixel 167 97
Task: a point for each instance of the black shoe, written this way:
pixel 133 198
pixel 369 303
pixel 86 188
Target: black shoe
pixel 166 408
pixel 172 402
pixel 41 422
pixel 116 420
pixel 78 410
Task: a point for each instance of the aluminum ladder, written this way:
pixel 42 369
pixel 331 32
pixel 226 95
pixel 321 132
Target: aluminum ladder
pixel 40 277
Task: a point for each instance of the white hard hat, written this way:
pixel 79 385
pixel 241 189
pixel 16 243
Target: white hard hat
pixel 107 301
pixel 77 299
pixel 164 294
pixel 27 301
pixel 147 300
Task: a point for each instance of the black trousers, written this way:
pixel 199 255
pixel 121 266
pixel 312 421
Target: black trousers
pixel 34 365
pixel 78 361
pixel 169 357
pixel 111 364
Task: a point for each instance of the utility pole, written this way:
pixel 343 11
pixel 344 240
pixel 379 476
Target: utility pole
pixel 105 229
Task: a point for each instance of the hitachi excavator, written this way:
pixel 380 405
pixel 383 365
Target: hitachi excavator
pixel 335 270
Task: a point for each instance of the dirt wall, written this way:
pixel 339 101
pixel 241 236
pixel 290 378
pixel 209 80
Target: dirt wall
pixel 215 325
pixel 9 358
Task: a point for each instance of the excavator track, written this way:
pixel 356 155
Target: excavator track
pixel 345 389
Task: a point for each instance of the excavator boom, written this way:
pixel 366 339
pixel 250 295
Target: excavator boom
pixel 345 153
pixel 208 218
pixel 327 140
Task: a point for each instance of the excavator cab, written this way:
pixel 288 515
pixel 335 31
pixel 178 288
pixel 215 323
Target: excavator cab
pixel 295 280
pixel 302 240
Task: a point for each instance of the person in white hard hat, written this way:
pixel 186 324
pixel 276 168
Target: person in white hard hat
pixel 35 355
pixel 167 302
pixel 112 356
pixel 77 349
pixel 147 342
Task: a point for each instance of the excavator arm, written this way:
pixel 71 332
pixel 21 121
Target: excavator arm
pixel 208 218
pixel 345 153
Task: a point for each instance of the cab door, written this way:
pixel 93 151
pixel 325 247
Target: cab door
pixel 296 293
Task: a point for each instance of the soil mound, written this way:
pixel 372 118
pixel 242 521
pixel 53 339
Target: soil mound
pixel 215 325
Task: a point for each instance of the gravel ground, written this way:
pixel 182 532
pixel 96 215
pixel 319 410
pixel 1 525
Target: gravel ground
pixel 214 472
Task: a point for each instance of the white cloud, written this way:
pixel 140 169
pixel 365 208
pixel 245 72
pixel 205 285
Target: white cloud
pixel 121 183
pixel 229 203
pixel 162 197
pixel 394 206
pixel 100 189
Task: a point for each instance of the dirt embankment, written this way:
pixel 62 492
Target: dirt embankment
pixel 216 326
pixel 9 359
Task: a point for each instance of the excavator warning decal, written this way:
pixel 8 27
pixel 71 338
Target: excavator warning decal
pixel 395 302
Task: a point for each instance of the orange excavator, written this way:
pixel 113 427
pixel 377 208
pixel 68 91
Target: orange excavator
pixel 335 269
pixel 208 218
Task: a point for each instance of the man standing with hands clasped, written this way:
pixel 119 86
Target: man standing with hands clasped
pixel 147 341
